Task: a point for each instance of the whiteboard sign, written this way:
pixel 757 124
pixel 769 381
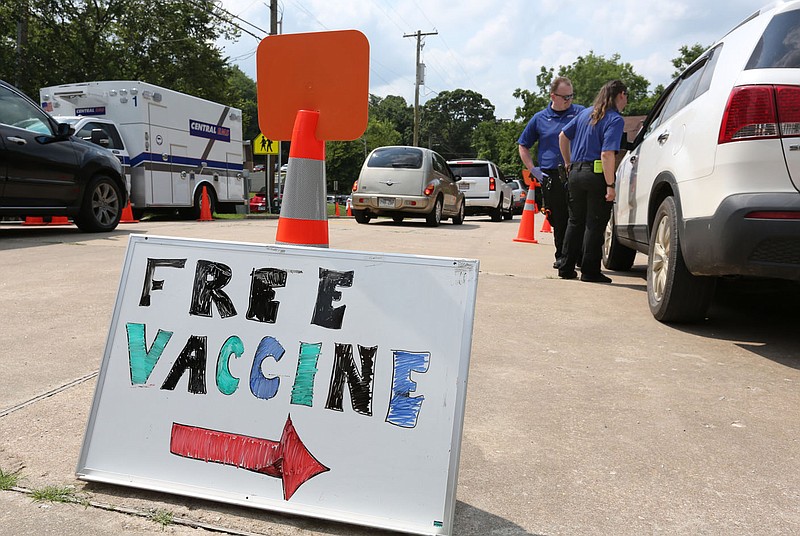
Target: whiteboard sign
pixel 303 380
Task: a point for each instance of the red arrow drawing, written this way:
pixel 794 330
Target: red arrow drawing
pixel 287 459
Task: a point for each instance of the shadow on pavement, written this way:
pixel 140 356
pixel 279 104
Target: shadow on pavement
pixel 469 521
pixel 18 236
pixel 758 315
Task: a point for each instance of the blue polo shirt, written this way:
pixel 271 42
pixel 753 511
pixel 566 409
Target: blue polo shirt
pixel 545 127
pixel 587 141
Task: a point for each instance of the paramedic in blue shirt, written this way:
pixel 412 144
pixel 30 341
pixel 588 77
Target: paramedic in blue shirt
pixel 545 127
pixel 589 144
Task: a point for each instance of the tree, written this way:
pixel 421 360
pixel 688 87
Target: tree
pixel 242 95
pixel 533 102
pixel 449 119
pixel 687 56
pixel 164 42
pixel 394 111
pixel 588 74
pixel 497 141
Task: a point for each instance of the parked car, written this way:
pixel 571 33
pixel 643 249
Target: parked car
pixel 46 171
pixel 485 188
pixel 407 182
pixel 258 168
pixel 520 192
pixel 258 203
pixel 710 185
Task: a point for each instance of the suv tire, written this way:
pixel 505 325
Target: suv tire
pixel 674 294
pixel 497 212
pixel 102 206
pixel 616 256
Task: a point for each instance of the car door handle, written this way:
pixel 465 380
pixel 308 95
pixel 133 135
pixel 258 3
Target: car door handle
pixel 663 137
pixel 633 159
pixel 18 141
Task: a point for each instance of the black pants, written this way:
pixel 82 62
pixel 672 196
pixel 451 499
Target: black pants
pixel 588 216
pixel 555 201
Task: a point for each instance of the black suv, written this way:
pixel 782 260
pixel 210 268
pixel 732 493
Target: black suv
pixel 45 171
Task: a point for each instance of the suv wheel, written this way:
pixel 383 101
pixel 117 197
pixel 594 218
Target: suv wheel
pixel 102 206
pixel 509 214
pixel 674 294
pixel 458 219
pixel 435 217
pixel 497 212
pixel 616 256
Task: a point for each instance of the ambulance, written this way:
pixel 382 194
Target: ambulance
pixel 172 146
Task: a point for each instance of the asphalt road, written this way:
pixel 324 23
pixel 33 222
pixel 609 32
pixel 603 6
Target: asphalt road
pixel 584 415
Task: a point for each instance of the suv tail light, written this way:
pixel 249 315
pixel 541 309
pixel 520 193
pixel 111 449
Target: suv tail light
pixel 355 186
pixel 761 112
pixel 788 98
pixel 492 184
pixel 429 189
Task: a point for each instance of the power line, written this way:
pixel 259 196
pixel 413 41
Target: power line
pixel 204 7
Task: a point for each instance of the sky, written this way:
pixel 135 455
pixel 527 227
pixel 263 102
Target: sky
pixel 495 46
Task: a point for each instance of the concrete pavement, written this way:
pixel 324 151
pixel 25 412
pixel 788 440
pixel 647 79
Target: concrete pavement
pixel 584 415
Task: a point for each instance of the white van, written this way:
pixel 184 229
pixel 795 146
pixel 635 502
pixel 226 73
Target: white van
pixel 407 182
pixel 171 145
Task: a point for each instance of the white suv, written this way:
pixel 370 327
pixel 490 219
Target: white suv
pixel 710 186
pixel 485 188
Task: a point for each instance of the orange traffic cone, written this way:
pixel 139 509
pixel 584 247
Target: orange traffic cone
pixel 127 214
pixel 337 213
pixel 525 233
pixel 59 220
pixel 34 220
pixel 304 212
pixel 546 228
pixel 349 208
pixel 205 207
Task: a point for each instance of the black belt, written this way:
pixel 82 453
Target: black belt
pixel 583 165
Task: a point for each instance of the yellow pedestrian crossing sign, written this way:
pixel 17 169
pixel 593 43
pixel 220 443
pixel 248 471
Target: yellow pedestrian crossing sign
pixel 263 145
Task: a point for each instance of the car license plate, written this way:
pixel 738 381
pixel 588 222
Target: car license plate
pixel 386 202
pixel 463 186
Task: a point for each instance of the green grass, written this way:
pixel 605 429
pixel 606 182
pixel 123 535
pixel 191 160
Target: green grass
pixel 162 517
pixel 8 480
pixel 59 494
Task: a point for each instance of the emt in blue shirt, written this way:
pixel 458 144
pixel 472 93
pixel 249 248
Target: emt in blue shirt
pixel 545 127
pixel 589 144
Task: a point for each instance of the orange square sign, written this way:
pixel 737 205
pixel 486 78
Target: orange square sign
pixel 327 72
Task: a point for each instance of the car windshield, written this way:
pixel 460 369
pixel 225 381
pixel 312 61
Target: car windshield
pixel 404 157
pixel 470 170
pixel 779 47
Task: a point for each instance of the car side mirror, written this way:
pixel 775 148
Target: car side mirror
pixel 456 178
pixel 64 130
pixel 99 138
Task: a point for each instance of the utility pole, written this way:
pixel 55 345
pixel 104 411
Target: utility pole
pixel 269 169
pixel 417 81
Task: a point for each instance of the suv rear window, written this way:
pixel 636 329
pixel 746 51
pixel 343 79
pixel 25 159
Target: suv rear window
pixel 471 170
pixel 396 157
pixel 779 47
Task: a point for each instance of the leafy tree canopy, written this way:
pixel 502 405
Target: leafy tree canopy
pixel 687 56
pixel 164 42
pixel 448 120
pixel 588 74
